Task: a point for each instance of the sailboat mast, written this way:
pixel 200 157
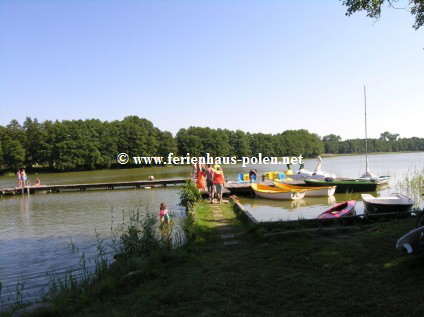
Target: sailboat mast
pixel 366 134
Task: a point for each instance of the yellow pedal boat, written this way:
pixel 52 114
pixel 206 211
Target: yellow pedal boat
pixel 277 193
pixel 326 191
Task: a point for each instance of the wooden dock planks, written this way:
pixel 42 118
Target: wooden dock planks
pixel 229 188
pixel 83 187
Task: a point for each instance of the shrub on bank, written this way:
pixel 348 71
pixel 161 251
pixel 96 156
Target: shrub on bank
pixel 189 196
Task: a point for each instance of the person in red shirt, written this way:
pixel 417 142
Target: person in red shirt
pixel 200 177
pixel 218 181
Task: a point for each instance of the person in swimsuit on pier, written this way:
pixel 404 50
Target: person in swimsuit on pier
pixel 23 178
pixel 18 176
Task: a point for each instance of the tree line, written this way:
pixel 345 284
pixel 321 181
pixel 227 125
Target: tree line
pixel 387 142
pixel 93 144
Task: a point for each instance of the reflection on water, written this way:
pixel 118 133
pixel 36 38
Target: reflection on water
pixel 298 203
pixel 277 210
pixel 24 201
pixel 290 204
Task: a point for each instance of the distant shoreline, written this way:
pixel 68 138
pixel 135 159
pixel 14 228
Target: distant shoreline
pixel 361 154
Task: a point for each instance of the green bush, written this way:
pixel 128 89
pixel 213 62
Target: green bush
pixel 140 237
pixel 189 195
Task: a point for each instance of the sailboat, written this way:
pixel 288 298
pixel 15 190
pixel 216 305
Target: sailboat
pixel 368 175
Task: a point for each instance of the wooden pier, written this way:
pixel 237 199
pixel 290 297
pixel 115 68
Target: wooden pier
pixel 242 189
pixel 239 188
pixel 84 187
pixel 229 188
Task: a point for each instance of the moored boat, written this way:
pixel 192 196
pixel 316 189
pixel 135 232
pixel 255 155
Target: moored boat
pixel 343 209
pixel 380 180
pixel 243 178
pixel 324 191
pixel 368 176
pixel 343 186
pixel 316 174
pixel 393 203
pixel 273 176
pixel 277 193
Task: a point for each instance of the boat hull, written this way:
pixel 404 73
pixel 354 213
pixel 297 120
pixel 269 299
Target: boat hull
pixel 343 209
pixel 280 195
pixel 303 176
pixel 391 204
pixel 310 191
pixel 381 180
pixel 351 186
pixel 412 241
pixel 378 208
pixel 277 193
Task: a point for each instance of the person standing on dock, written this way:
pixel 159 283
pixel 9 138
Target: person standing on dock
pixel 209 181
pixel 18 176
pixel 23 178
pixel 194 171
pixel 200 177
pixel 219 182
pixel 253 175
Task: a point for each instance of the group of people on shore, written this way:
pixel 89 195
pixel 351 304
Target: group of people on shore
pixel 211 178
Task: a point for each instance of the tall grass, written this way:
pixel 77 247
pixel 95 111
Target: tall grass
pixel 139 244
pixel 412 184
pixel 141 237
pixel 67 286
pixel 15 298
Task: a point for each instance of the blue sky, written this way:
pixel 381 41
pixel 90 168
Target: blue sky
pixel 257 66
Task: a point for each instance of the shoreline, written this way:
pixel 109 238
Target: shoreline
pixel 328 155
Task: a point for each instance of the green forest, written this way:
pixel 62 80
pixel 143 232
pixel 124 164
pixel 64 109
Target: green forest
pixel 94 144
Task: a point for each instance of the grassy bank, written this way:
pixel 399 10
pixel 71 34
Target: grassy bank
pixel 308 274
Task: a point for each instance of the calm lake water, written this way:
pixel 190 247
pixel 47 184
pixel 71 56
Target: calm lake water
pixel 36 231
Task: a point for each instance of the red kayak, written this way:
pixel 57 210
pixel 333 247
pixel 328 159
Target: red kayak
pixel 343 209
